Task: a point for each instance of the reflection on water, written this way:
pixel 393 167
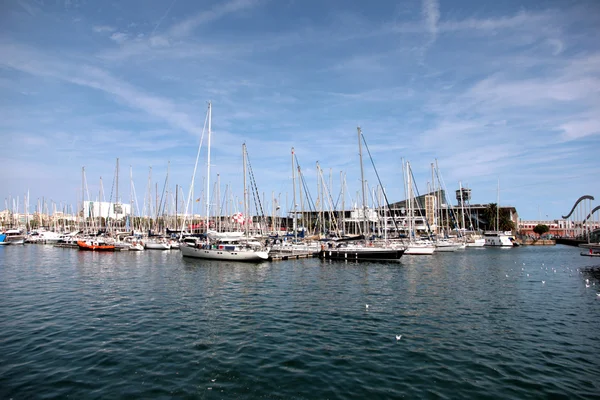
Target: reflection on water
pixel 477 323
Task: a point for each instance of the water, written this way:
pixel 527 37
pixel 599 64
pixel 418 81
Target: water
pixel 153 325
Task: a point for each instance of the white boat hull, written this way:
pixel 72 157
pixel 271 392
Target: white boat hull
pixel 157 246
pixel 476 243
pixel 226 255
pixel 419 250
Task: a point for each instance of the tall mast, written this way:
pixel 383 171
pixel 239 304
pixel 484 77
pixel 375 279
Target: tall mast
pixel 117 182
pixel 294 197
pixel 83 196
pixel 362 180
pixel 208 166
pixel 343 182
pixel 245 191
pixel 462 205
pixel 498 208
pixel 131 198
pixel 218 197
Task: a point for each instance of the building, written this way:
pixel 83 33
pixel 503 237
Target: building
pixel 558 227
pixel 97 209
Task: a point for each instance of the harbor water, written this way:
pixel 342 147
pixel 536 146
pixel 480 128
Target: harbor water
pixel 517 323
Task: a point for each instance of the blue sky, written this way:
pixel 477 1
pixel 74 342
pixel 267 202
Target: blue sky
pixel 495 91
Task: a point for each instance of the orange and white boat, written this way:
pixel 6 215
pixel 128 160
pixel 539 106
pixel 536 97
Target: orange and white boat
pixel 94 245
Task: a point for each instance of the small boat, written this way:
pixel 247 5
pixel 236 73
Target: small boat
pixel 95 245
pixel 591 253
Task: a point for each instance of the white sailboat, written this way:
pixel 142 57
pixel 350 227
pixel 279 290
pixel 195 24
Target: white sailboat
pixel 415 246
pixel 215 246
pixel 498 238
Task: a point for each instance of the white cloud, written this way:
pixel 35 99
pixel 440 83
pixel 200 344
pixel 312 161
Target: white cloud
pixel 103 29
pixel 119 37
pixel 187 26
pixel 431 12
pixel 581 128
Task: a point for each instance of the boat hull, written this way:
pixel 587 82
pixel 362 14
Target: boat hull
pixel 418 250
pixel 361 254
pixel 157 246
pixel 94 247
pixel 225 255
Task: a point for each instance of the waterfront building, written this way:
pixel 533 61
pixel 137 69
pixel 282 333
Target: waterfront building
pixel 95 209
pixel 558 227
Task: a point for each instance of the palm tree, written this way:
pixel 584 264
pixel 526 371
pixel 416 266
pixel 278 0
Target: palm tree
pixel 490 214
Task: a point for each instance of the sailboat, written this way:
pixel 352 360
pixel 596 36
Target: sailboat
pixel 498 238
pixel 361 250
pixel 415 246
pixel 222 247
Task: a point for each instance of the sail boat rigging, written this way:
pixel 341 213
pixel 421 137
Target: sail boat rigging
pixel 362 250
pixel 215 246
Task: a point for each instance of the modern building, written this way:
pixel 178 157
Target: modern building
pixel 101 209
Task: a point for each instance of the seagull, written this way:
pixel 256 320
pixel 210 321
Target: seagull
pixel 543 282
pixel 507 276
pixel 587 285
pixel 398 337
pixel 587 281
pixel 598 294
pixel 527 275
pixel 367 306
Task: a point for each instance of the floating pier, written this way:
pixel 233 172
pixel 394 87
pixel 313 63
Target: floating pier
pixel 291 256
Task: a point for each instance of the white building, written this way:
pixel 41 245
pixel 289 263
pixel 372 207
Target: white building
pixel 95 209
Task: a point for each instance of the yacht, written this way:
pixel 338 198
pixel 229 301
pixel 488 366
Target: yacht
pixel 228 249
pixel 499 239
pixel 12 236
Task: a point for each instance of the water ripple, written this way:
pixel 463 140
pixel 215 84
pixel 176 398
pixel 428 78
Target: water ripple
pixel 152 325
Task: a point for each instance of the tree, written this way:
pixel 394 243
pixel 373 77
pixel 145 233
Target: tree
pixel 540 229
pixel 504 223
pixel 490 215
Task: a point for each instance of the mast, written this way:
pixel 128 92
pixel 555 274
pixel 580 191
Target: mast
pixel 498 208
pixel 208 167
pixel 218 197
pixel 409 212
pixel 245 191
pixel 462 205
pixel 131 198
pixel 343 181
pixel 117 182
pixel 362 180
pixel 83 196
pixel 294 198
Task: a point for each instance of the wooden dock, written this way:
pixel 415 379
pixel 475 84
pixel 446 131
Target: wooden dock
pixel 291 256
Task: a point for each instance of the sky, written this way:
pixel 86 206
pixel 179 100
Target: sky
pixel 499 94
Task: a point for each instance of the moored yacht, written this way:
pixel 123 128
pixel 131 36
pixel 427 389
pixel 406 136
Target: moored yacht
pixel 361 252
pixel 228 249
pixel 13 236
pixel 499 239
